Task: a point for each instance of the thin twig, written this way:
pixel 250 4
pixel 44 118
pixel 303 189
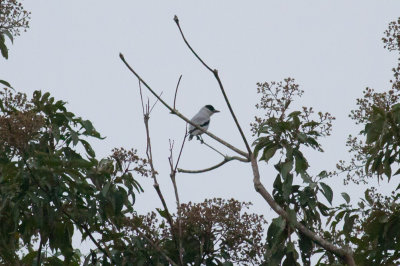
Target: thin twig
pixel 214 149
pixel 226 159
pixel 233 148
pixel 215 73
pixel 151 109
pixel 173 180
pixel 141 96
pixel 176 91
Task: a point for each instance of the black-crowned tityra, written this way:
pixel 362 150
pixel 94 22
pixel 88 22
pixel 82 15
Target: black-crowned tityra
pixel 202 119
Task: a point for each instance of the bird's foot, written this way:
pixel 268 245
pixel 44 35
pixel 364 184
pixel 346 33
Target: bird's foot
pixel 200 139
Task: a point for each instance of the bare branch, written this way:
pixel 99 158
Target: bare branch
pixel 146 117
pixel 151 109
pixel 211 147
pixel 175 112
pixel 173 179
pixel 215 73
pixel 226 159
pixel 176 91
pixel 141 96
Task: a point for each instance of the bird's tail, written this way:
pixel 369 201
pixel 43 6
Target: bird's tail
pixel 190 137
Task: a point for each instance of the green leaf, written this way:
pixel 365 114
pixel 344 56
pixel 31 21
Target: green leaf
pixel 306 247
pixel 5 83
pixel 327 191
pixel 269 152
pixel 286 168
pixel 374 130
pixel 302 137
pixel 287 186
pixel 301 162
pixel 74 137
pixel 119 198
pixel 275 229
pixel 88 126
pixel 295 113
pixel 346 197
pixel 88 148
pixel 278 183
pixel 311 124
pixel 163 213
pixel 105 189
pixel 9 35
pixel 3 47
pixel 348 223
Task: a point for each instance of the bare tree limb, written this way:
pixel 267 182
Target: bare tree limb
pixel 226 159
pixel 177 113
pixel 215 73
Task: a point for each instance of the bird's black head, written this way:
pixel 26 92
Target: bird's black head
pixel 211 108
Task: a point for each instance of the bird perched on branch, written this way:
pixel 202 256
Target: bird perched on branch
pixel 202 119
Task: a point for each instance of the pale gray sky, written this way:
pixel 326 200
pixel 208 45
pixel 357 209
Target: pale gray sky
pixel 332 48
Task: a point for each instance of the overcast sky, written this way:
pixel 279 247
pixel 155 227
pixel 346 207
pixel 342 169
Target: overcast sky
pixel 332 48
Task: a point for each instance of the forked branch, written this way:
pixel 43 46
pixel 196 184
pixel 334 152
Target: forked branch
pixel 184 118
pixel 146 117
pixel 215 73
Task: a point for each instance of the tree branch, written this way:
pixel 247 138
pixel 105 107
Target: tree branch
pixel 146 117
pixel 345 254
pixel 226 159
pixel 177 113
pixel 215 73
pixel 173 179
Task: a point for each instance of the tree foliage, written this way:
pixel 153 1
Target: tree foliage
pixel 51 183
pixel 369 229
pixel 215 232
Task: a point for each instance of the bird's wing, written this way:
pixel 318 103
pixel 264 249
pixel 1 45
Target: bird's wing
pixel 199 120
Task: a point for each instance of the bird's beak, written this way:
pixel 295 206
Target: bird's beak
pixel 216 111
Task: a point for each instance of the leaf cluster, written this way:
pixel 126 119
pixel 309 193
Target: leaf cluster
pixel 288 132
pixel 51 184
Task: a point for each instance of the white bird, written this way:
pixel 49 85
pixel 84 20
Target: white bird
pixel 202 119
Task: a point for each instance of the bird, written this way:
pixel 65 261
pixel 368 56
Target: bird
pixel 202 119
